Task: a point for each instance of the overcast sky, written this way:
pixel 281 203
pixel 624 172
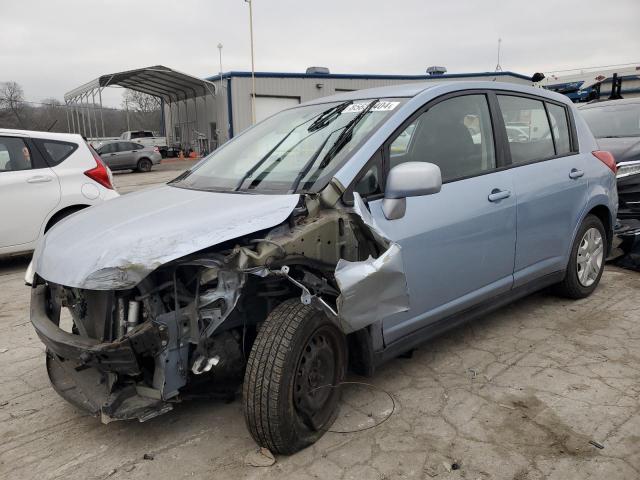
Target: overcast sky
pixel 50 47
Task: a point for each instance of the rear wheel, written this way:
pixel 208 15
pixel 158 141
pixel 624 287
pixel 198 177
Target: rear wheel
pixel 144 165
pixel 586 263
pixel 289 393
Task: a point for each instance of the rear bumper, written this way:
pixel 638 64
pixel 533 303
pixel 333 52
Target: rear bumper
pixel 101 378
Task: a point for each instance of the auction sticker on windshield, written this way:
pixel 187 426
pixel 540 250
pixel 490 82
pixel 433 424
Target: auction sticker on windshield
pixel 381 106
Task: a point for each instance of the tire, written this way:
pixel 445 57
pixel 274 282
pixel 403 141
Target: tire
pixel 574 284
pixel 284 409
pixel 144 165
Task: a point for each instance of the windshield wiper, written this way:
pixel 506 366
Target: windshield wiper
pixel 328 116
pixel 345 136
pixel 270 168
pixel 340 142
pixel 329 111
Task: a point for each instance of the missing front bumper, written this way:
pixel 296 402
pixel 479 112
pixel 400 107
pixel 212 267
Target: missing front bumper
pixel 104 379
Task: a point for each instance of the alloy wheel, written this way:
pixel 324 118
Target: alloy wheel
pixel 590 257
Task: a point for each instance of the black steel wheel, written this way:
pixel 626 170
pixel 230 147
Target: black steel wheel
pixel 289 393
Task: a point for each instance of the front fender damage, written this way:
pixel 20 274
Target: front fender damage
pixel 201 307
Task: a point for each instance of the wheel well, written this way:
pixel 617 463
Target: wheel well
pixel 61 214
pixel 604 215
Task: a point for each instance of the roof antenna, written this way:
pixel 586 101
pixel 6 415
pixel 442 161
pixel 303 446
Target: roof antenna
pixel 498 67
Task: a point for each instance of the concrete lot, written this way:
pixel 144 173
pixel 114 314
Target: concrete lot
pixel 516 395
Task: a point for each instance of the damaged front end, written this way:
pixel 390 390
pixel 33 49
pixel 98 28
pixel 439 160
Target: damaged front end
pixel 129 352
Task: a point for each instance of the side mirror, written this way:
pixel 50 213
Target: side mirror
pixel 409 179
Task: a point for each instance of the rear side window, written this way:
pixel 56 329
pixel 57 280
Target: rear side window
pixel 560 128
pixel 528 130
pixel 14 155
pixel 122 147
pixel 56 151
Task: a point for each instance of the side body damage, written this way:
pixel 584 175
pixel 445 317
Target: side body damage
pixel 130 352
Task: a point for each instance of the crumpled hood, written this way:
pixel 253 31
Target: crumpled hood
pixel 116 244
pixel 623 149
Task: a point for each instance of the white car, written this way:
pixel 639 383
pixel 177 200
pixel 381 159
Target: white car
pixel 45 177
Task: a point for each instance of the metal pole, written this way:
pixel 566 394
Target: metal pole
pixel 89 115
pixel 169 130
pixel 101 119
pixel 75 107
pixel 197 127
pixel 220 52
pixel 126 107
pixel 93 107
pixel 84 123
pixel 163 119
pixel 66 111
pixel 253 73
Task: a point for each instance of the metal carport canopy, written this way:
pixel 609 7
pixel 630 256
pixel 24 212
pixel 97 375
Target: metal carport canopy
pixel 160 81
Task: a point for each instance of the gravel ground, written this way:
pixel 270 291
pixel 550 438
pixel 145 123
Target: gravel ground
pixel 518 394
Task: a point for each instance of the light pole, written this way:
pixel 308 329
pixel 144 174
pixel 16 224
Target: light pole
pixel 253 73
pixel 220 52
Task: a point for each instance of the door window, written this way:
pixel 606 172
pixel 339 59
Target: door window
pixel 108 148
pixel 14 155
pixel 560 128
pixel 454 134
pixel 527 127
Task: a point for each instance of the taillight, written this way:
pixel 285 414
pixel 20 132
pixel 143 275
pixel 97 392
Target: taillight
pixel 607 159
pixel 156 149
pixel 100 173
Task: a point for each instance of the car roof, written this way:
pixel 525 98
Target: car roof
pixel 37 134
pixel 415 89
pixel 608 103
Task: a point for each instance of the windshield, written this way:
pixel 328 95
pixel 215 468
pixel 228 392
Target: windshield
pixel 296 150
pixel 621 120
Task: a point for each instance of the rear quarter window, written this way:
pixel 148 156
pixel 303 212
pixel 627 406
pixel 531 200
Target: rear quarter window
pixel 56 151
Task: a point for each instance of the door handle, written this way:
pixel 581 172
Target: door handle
pixel 575 173
pixel 497 195
pixel 39 179
pixel 112 154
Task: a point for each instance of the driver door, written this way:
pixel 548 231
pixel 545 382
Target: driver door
pixel 458 245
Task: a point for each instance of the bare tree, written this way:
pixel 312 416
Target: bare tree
pixel 140 102
pixel 12 99
pixel 145 110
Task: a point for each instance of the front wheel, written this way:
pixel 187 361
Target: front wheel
pixel 586 263
pixel 290 389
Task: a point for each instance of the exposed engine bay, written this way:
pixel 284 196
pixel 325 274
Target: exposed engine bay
pixel 130 352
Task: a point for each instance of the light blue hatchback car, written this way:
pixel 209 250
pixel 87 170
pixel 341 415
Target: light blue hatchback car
pixel 339 233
